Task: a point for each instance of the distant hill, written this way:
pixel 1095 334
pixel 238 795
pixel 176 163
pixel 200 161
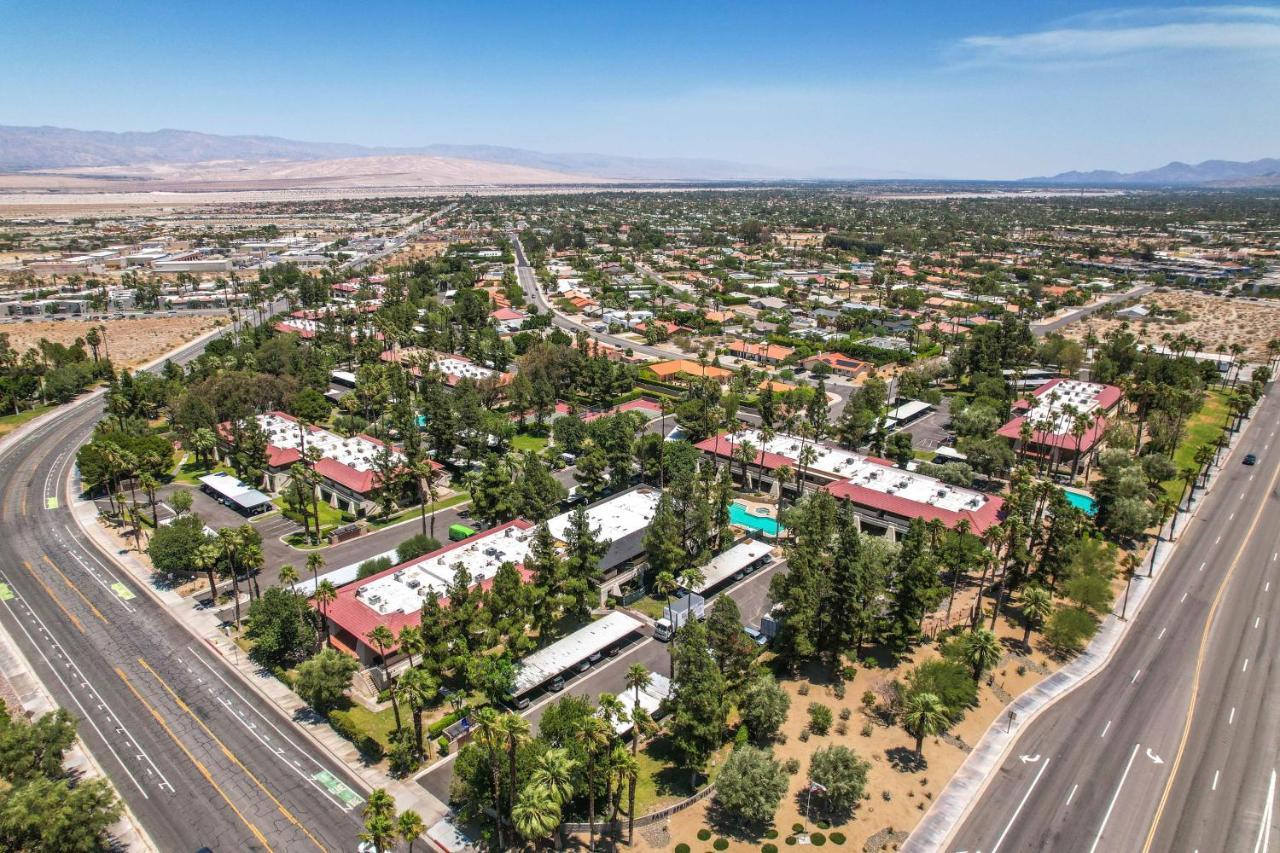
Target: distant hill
pixel 38 148
pixel 1209 173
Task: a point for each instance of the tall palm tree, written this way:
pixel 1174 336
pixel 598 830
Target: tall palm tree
pixel 206 559
pixel 553 771
pixel 410 827
pixel 418 689
pixel 411 643
pixel 325 595
pixel 536 813
pixel 229 542
pixel 315 562
pixel 637 679
pixel 1131 563
pixel 252 559
pixel 382 637
pixel 515 731
pixel 1037 604
pixel 924 715
pixel 489 737
pixel 595 737
pixel 981 651
pixel 289 575
pixel 379 821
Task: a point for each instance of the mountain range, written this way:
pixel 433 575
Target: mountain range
pixel 25 149
pixel 1210 173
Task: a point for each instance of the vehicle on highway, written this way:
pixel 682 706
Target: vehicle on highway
pixel 1250 459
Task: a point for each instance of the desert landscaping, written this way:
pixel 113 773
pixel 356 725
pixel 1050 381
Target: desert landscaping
pixel 130 342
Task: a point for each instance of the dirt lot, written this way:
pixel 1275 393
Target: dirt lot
pixel 130 342
pixel 1215 321
pixel 899 794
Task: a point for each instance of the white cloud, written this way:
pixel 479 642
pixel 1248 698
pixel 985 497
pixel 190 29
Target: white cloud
pixel 1119 33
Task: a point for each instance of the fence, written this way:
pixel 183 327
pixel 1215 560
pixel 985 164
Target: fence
pixel 644 820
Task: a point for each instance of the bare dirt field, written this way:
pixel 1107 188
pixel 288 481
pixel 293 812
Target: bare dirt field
pixel 131 343
pixel 1215 321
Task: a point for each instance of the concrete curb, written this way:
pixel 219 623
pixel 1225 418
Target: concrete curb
pixel 38 700
pixel 966 787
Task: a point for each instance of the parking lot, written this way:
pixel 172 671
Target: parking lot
pixel 930 432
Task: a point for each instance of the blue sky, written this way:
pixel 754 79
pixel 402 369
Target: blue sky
pixel 947 89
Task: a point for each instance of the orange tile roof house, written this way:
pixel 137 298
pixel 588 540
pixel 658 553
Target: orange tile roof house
pixel 841 364
pixel 764 353
pixel 685 367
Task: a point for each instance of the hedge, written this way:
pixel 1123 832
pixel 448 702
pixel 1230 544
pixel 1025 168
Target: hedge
pixel 366 743
pixel 437 728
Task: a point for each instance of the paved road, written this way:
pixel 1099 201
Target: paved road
pixel 1056 325
pixel 398 243
pixel 201 761
pixel 1099 761
pixel 751 594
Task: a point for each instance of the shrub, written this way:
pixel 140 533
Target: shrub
pixel 704 834
pixel 792 766
pixel 791 840
pixel 438 727
pixel 769 848
pixel 819 718
pixel 824 824
pixel 842 728
pixel 771 834
pixel 838 690
pixel 682 848
pixel 371 567
pixel 368 745
pixel 837 838
pixel 949 680
pixel 803 690
pixel 817 839
pixel 721 844
pixel 845 713
pixel 741 736
pixel 797 827
pixel 403 755
pixel 443 743
pixel 868 699
pixel 804 736
pixel 866 730
pixel 1068 629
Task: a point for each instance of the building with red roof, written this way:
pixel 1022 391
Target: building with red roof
pixel 1063 419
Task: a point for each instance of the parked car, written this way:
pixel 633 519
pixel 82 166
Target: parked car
pixel 595 658
pixel 556 685
pixel 756 637
pixel 582 665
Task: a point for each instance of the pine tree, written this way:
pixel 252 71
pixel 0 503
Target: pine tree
pixel 699 709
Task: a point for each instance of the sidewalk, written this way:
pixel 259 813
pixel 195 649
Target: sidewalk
pixel 205 626
pixel 31 696
pixel 966 786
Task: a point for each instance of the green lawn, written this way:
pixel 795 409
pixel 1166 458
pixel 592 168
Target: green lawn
pixel 1202 428
pixel 650 606
pixel 9 423
pixel 452 500
pixel 191 471
pixel 529 442
pixel 662 780
pixel 378 724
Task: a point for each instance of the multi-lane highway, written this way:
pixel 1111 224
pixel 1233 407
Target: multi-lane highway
pixel 201 761
pixel 1174 745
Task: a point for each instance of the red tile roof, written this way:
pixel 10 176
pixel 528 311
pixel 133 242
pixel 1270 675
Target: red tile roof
pixel 979 520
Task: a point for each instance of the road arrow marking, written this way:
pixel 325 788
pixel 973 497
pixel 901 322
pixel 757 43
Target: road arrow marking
pixel 1157 759
pixel 1029 759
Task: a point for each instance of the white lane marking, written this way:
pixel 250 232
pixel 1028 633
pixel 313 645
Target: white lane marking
pixel 1214 786
pixel 1018 810
pixel 1135 676
pixel 1202 565
pixel 1245 668
pixel 1264 830
pixel 1256 620
pixel 1161 634
pixel 1105 729
pixel 1072 795
pixel 1230 518
pixel 1184 598
pixel 1267 588
pixel 1217 541
pixel 1106 817
pixel 1231 718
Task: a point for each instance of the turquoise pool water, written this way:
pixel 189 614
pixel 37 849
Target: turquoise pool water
pixel 739 515
pixel 1081 502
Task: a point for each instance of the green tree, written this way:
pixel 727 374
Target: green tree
pixel 282 627
pixel 323 680
pixel 173 547
pixel 750 785
pixel 698 706
pixel 536 814
pixel 492 497
pixel 842 774
pixel 764 706
pixel 379 821
pixel 923 715
pixel 410 827
pixel 590 473
pixel 540 493
pixel 981 651
pixel 733 649
pixel 1037 604
pixel 1068 629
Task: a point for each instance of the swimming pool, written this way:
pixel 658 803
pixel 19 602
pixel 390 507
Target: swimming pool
pixel 1082 502
pixel 741 516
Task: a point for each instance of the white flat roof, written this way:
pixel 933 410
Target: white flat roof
pixel 232 489
pixel 909 410
pixel 405 589
pixel 729 563
pixel 861 471
pixel 1051 406
pixel 461 368
pixel 356 452
pixel 545 664
pixel 615 518
pixel 651 698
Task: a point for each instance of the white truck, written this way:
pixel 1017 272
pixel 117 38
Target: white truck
pixel 677 613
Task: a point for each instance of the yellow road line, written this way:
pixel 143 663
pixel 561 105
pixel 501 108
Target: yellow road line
pixel 74 588
pixel 1204 644
pixel 230 755
pixel 199 766
pixel 56 600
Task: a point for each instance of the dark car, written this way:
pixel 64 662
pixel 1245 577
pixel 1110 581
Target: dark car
pixel 1250 459
pixel 556 685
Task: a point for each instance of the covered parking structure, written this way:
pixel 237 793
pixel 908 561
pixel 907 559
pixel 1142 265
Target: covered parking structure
pixel 744 557
pixel 545 664
pixel 235 494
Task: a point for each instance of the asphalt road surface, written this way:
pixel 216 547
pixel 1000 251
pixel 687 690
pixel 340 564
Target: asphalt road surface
pixel 1042 329
pixel 751 595
pixel 200 760
pixel 1174 745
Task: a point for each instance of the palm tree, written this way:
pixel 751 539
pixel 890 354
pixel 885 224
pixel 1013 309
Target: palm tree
pixel 981 651
pixel 289 575
pixel 1037 604
pixel 382 637
pixel 206 559
pixel 418 689
pixel 203 442
pixel 595 737
pixel 553 771
pixel 488 735
pixel 410 827
pixel 627 768
pixel 427 476
pixel 325 595
pixel 315 562
pixel 379 825
pixel 536 813
pixel 515 730
pixel 637 679
pixel 229 542
pixel 149 485
pixel 411 642
pixel 1131 562
pixel 924 715
pixel 252 559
